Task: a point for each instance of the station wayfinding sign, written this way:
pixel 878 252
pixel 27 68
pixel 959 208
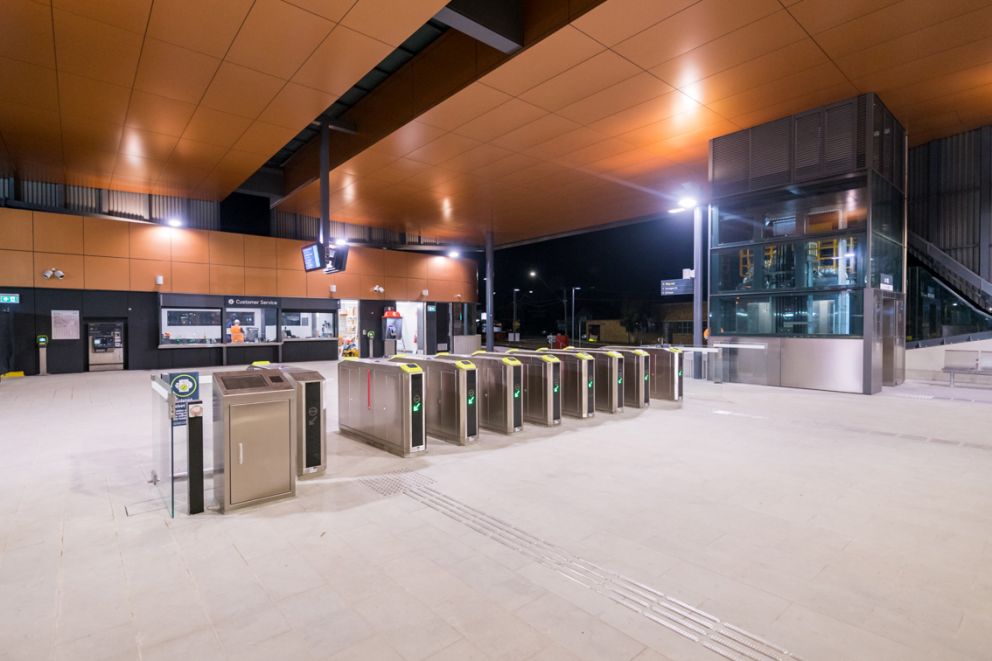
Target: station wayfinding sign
pixel 676 287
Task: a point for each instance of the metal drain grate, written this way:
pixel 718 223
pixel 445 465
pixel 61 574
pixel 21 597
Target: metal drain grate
pixel 698 626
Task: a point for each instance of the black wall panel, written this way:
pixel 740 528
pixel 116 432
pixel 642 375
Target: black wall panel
pixel 370 318
pixel 301 351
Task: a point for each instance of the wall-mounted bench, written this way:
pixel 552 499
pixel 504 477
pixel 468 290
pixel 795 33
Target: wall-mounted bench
pixel 957 361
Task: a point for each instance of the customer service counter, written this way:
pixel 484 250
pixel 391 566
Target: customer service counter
pixel 229 330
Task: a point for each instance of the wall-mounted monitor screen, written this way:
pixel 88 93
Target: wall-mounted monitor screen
pixel 337 259
pixel 313 257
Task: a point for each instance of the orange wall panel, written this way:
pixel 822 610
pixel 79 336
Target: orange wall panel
pixel 440 268
pixel 292 283
pixel 416 266
pixel 16 268
pixel 16 229
pixel 414 287
pixel 260 251
pixel 318 285
pixel 71 265
pixel 144 271
pixel 227 249
pixel 189 278
pixel 108 238
pixel 58 233
pixel 261 282
pixel 107 272
pixel 190 245
pixel 396 288
pixel 348 285
pixel 227 279
pixel 150 242
pixel 288 255
pixel 367 282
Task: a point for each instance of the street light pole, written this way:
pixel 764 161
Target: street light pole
pixel 513 324
pixel 573 326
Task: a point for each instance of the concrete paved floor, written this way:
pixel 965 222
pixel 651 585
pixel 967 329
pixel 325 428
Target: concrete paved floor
pixel 830 526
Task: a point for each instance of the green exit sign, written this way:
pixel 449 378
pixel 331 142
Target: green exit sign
pixel 12 299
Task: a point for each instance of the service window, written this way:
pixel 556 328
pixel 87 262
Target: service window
pixel 190 326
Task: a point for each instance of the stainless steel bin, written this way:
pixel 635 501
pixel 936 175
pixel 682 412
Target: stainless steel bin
pixel 500 389
pixel 382 403
pixel 578 380
pixel 254 437
pixel 450 397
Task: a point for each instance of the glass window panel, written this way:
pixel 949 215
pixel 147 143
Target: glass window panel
pixel 741 316
pixel 790 313
pixel 776 227
pixel 886 210
pixel 833 313
pixel 935 311
pixel 734 225
pixel 887 259
pixel 833 262
pixel 308 325
pixel 190 326
pixel 250 325
pixel 779 266
pixel 734 270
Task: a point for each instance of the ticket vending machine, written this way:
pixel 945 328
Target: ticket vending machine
pixel 105 345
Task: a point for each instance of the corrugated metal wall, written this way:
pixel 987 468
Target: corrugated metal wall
pixel 307 228
pixel 949 202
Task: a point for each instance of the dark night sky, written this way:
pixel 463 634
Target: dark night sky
pixel 613 265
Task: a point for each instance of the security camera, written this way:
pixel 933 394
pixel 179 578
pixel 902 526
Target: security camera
pixel 59 274
pixel 47 275
pixel 53 272
pixel 378 289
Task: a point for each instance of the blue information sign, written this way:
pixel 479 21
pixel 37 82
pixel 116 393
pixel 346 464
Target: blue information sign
pixel 677 287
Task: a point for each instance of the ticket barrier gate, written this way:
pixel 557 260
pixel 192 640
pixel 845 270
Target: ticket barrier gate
pixel 311 417
pixel 542 387
pixel 636 376
pixel 578 380
pixel 500 388
pixel 382 403
pixel 450 396
pixel 254 437
pixel 609 378
pixel 665 365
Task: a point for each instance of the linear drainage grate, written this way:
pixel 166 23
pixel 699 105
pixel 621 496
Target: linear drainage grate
pixel 698 626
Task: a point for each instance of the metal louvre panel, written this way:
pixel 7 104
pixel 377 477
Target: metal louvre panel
pixel 82 199
pixel 43 194
pixel 770 158
pixel 840 138
pixel 861 146
pixel 6 187
pixel 729 163
pixel 204 214
pixel 808 146
pixel 128 205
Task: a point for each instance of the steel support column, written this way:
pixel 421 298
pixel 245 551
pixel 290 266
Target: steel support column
pixel 324 235
pixel 489 290
pixel 697 290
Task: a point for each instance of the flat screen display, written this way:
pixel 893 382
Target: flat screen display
pixel 337 259
pixel 313 257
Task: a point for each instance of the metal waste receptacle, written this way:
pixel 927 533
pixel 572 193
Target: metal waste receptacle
pixel 542 388
pixel 254 437
pixel 382 403
pixel 311 417
pixel 500 390
pixel 666 371
pixel 609 378
pixel 578 380
pixel 450 396
pixel 636 376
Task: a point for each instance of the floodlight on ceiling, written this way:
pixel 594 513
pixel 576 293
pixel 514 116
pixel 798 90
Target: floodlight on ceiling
pixel 454 254
pixel 174 222
pixel 340 242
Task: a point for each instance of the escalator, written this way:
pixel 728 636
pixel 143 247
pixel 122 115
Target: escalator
pixel 948 303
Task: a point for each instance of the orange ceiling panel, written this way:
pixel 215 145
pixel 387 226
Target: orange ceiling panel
pixel 96 50
pixel 550 57
pixel 206 26
pixel 577 83
pixel 174 72
pixel 333 10
pixel 241 91
pixel 341 59
pixel 26 33
pixel 612 22
pixel 277 38
pixel 390 21
pixel 92 99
